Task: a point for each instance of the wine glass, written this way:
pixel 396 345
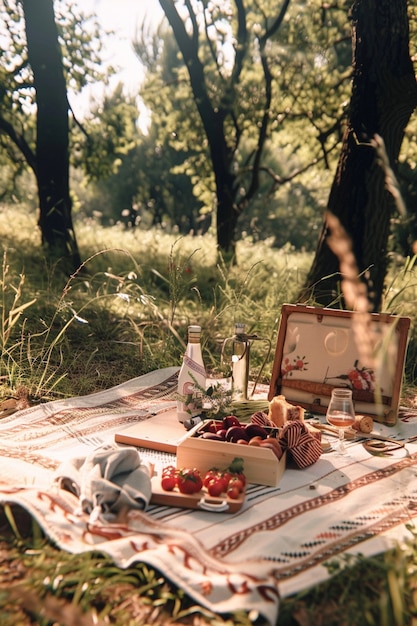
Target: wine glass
pixel 341 414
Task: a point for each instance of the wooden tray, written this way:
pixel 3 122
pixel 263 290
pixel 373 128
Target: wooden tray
pixel 201 500
pixel 159 432
pixel 317 351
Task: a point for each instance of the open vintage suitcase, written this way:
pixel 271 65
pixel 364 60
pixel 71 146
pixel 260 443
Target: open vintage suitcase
pixel 317 350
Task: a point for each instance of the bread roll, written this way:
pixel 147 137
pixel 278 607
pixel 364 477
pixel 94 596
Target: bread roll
pixel 281 411
pixel 363 423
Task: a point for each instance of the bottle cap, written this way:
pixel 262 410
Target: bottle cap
pixel 194 329
pixel 239 328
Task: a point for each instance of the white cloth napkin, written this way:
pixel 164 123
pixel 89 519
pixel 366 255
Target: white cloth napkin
pixel 106 481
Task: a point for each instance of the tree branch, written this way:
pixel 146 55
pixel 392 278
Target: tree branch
pixel 242 41
pixel 193 18
pixel 20 142
pixel 262 135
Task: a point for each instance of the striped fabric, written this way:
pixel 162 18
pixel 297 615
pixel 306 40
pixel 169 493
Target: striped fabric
pixel 301 446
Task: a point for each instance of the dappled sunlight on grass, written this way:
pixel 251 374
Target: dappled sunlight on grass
pixel 127 311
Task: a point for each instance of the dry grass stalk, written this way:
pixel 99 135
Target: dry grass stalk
pixel 391 181
pixel 354 290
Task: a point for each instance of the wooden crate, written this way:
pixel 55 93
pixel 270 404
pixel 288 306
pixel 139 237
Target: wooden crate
pixel 261 466
pixel 318 349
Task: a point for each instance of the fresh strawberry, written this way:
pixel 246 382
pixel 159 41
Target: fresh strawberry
pixel 226 476
pixel 236 483
pixel 233 493
pixel 168 482
pixel 169 469
pixel 241 477
pixel 213 473
pixel 215 487
pixel 189 481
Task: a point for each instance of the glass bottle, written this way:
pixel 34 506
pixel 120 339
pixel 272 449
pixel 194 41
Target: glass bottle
pixel 192 372
pixel 240 363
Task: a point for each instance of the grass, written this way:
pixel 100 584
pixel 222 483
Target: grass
pixel 127 310
pixel 124 313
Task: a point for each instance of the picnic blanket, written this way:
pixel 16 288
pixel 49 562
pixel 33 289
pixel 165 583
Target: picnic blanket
pixel 277 544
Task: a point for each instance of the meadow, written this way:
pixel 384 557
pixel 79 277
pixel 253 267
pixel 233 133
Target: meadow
pixel 127 309
pixel 122 314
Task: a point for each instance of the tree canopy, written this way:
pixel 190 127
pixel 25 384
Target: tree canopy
pixel 248 107
pixel 49 49
pixel 276 97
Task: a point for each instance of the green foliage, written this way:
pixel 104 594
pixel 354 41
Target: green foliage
pixel 167 172
pixel 81 52
pixel 81 45
pixel 309 58
pixel 107 135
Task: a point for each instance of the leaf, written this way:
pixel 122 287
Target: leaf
pixel 237 465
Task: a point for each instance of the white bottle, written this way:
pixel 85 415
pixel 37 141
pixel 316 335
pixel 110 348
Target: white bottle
pixel 192 371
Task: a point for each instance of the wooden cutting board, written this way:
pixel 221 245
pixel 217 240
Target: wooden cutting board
pixel 159 432
pixel 201 500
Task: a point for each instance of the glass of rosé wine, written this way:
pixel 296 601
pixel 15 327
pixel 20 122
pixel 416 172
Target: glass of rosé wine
pixel 341 414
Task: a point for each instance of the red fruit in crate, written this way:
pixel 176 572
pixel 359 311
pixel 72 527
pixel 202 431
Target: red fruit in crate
pixel 234 433
pixel 230 420
pixel 189 481
pixel 254 430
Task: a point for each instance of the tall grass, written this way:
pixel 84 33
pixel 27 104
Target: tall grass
pixel 126 310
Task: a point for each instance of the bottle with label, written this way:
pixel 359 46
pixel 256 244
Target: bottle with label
pixel 192 371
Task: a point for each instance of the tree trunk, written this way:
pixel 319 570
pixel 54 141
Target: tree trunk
pixel 52 144
pixel 227 213
pixel 213 123
pixel 384 95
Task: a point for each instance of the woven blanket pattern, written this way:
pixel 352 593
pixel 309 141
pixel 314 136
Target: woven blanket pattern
pixel 277 544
